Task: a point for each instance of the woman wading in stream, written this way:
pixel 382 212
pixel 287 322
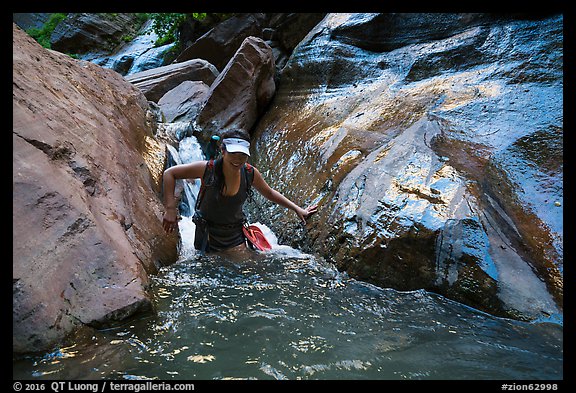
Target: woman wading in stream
pixel 219 217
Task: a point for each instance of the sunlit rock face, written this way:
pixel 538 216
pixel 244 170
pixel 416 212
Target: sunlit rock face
pixel 435 155
pixel 86 175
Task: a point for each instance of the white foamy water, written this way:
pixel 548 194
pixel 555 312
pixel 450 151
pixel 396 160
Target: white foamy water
pixel 187 250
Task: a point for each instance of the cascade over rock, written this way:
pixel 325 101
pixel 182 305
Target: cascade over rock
pixel 432 143
pixel 86 211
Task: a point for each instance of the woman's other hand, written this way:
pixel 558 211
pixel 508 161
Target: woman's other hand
pixel 170 220
pixel 305 213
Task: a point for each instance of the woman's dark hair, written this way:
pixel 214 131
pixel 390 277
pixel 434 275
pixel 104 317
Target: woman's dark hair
pixel 219 178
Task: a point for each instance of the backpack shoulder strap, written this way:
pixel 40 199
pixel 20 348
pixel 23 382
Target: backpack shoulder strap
pixel 206 181
pixel 249 173
pixel 208 177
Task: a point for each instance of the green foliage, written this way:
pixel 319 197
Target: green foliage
pixel 166 24
pixel 142 17
pixel 42 35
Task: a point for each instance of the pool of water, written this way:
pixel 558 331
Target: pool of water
pixel 289 315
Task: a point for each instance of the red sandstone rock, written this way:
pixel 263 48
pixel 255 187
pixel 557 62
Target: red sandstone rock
pixel 156 82
pixel 242 91
pixel 86 218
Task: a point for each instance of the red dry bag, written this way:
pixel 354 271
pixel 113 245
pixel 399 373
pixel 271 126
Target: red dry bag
pixel 256 238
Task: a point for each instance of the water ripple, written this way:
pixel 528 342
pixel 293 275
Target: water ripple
pixel 280 317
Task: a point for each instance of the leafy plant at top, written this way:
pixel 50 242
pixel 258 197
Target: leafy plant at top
pixel 43 34
pixel 166 24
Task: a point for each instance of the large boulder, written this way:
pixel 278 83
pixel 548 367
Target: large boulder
pixel 86 211
pixel 90 32
pixel 156 82
pixel 183 102
pixel 433 145
pixel 242 91
pixel 219 44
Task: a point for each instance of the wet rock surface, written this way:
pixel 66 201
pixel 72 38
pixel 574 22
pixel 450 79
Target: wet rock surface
pixel 435 156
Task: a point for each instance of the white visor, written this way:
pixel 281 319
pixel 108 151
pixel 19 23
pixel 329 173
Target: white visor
pixel 236 145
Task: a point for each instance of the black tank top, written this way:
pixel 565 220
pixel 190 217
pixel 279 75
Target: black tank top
pixel 222 209
pixel 224 214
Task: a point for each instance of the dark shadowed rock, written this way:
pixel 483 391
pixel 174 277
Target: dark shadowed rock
pixel 85 32
pixel 219 44
pixel 291 28
pixel 30 20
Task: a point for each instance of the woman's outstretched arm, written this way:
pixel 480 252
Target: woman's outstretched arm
pixel 269 193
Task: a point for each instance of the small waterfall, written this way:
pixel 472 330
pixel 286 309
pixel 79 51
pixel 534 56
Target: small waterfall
pixel 189 150
pixel 140 54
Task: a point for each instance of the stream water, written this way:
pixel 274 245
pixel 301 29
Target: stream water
pixel 285 314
